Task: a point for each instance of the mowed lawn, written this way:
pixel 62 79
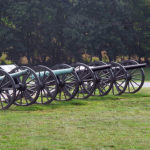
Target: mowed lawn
pixel 110 122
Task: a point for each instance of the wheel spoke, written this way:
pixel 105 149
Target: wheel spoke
pixel 48 92
pixel 69 86
pixel 87 80
pixel 129 87
pixel 30 90
pixel 118 72
pixel 28 94
pixel 113 90
pixel 132 85
pixel 69 78
pixel 82 91
pixel 7 83
pixel 120 77
pixel 41 97
pixel 18 93
pixel 135 82
pixel 67 91
pixel 47 95
pixel 136 74
pixel 119 85
pixel 30 81
pixel 26 100
pixel 48 76
pixel 50 82
pixel 65 94
pixel 60 95
pixel 26 77
pixel 100 90
pixel 136 78
pixel 2 81
pixel 85 76
pixel 86 90
pixel 133 71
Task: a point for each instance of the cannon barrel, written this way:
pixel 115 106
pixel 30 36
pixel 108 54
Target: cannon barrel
pixel 16 74
pixel 97 68
pixel 63 71
pixel 56 72
pixel 130 67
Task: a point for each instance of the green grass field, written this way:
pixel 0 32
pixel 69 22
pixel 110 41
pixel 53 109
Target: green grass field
pixel 98 123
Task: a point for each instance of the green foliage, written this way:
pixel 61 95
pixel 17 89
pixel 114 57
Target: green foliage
pixel 63 29
pixel 4 59
pixel 6 22
pixel 94 58
pixel 105 59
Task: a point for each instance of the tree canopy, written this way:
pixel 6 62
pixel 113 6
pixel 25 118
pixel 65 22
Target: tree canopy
pixel 47 31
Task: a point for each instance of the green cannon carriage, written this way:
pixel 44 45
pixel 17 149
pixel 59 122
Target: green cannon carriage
pixel 127 76
pixel 17 86
pixel 93 79
pixel 63 83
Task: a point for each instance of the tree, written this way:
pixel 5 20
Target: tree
pixel 51 32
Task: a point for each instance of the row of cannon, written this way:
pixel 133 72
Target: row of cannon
pixel 23 86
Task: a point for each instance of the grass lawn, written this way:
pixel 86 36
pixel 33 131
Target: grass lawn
pixel 98 123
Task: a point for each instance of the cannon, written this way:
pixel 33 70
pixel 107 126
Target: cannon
pixel 68 82
pixel 23 86
pixel 18 86
pixel 87 80
pixel 7 90
pixel 104 76
pixel 135 75
pixel 128 76
pixel 94 79
pixel 48 84
pixel 60 82
pixel 120 80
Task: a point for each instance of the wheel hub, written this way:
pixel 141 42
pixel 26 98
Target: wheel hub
pixel 113 79
pixel 22 87
pixel 61 84
pixel 42 86
pixel 80 82
pixel 98 80
pixel 129 77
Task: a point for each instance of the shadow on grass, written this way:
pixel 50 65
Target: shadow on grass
pixel 137 95
pixel 53 105
pixel 112 97
pixel 76 102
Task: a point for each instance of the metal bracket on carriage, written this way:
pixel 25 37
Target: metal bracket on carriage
pixel 128 67
pixel 8 68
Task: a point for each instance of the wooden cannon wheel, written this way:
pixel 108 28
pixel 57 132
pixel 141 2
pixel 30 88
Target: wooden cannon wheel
pixel 136 77
pixel 7 90
pixel 87 80
pixel 67 81
pixel 48 84
pixel 27 85
pixel 104 80
pixel 120 80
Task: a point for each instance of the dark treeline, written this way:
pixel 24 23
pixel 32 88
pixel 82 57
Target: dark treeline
pixel 56 31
